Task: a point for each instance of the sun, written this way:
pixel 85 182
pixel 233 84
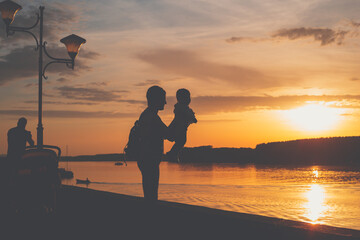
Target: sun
pixel 313 117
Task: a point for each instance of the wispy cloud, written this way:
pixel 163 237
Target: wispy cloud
pixel 58 17
pixel 325 36
pixel 355 24
pixel 21 63
pixel 89 94
pixel 63 103
pixel 246 39
pixel 99 83
pixel 205 105
pixel 68 114
pixel 188 64
pixel 218 104
pixel 29 85
pixel 95 95
pixel 62 80
pixel 148 83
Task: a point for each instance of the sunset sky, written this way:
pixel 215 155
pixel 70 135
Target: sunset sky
pixel 258 71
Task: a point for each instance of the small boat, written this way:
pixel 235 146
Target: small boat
pixel 80 181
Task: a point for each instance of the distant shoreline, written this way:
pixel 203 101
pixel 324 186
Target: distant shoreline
pixel 332 151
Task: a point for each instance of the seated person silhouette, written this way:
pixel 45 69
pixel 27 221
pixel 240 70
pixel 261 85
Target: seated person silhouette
pixel 153 132
pixel 17 139
pixel 184 116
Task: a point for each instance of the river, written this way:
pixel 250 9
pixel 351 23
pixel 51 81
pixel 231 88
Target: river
pixel 318 194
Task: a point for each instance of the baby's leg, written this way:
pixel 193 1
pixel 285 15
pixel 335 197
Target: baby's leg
pixel 180 141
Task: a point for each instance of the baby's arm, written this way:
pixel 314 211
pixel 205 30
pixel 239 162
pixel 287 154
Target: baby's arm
pixel 191 116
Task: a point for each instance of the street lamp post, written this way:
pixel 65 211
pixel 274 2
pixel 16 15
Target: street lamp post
pixel 72 42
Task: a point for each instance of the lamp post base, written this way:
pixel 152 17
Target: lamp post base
pixel 40 138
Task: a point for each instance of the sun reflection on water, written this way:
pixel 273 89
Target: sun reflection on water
pixel 316 203
pixel 316 173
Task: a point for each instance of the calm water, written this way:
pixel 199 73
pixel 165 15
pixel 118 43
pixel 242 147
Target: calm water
pixel 316 195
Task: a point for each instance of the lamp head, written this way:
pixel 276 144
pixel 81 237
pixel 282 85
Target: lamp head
pixel 8 11
pixel 73 44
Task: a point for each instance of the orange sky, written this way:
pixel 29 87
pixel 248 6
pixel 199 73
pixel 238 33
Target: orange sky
pixel 258 71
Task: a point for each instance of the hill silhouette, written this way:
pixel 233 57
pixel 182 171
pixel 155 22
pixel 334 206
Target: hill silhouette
pixel 340 151
pixel 335 151
pixel 217 155
pixel 98 157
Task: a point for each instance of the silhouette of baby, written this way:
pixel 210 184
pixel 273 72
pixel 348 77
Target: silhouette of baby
pixel 184 116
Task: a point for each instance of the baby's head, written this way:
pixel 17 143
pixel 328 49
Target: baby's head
pixel 183 96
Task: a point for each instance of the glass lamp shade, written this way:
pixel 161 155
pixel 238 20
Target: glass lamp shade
pixel 73 44
pixel 8 11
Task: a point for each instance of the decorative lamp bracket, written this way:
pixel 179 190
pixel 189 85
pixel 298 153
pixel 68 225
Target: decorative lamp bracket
pixel 69 62
pixel 10 30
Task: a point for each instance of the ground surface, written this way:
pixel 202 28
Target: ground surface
pixel 88 214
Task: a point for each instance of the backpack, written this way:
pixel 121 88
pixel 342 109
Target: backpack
pixel 132 149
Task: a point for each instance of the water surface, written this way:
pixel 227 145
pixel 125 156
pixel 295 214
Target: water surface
pixel 318 195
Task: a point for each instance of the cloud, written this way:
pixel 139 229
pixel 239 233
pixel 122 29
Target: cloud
pixel 57 17
pixel 187 63
pixel 205 105
pixel 22 63
pixel 329 12
pixel 324 35
pixel 63 103
pixel 89 55
pixel 355 24
pixel 148 83
pixel 62 80
pixel 130 101
pixel 219 104
pixel 245 39
pixel 94 95
pixel 99 83
pixel 45 94
pixel 29 85
pixel 151 82
pixel 88 94
pixel 68 114
pixel 237 39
